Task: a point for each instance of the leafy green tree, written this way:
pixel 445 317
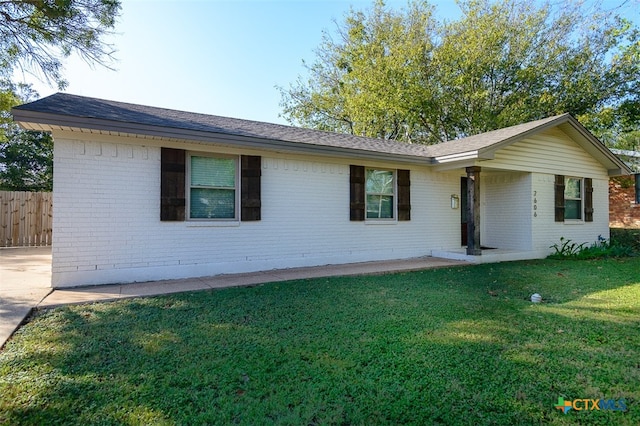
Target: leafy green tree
pixel 370 80
pixel 26 163
pixel 26 157
pixel 404 75
pixel 36 34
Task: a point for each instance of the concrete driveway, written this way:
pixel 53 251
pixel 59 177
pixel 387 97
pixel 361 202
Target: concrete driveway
pixel 25 279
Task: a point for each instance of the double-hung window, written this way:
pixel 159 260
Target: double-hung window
pixel 212 187
pixel 380 194
pixel 573 198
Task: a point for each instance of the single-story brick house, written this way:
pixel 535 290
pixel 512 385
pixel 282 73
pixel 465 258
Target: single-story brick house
pixel 144 193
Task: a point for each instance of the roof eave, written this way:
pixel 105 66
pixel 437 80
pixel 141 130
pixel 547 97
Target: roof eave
pixel 49 122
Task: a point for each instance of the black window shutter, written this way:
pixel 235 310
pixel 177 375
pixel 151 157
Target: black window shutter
pixel 172 184
pixel 588 200
pixel 559 198
pixel 357 194
pixel 250 175
pixel 404 195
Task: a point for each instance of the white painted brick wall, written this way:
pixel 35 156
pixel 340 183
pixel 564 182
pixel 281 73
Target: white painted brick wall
pixel 107 226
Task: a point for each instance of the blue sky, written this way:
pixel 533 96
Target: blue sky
pixel 216 57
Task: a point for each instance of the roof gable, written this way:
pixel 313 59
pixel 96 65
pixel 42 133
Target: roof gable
pixel 550 151
pixel 491 140
pixel 484 146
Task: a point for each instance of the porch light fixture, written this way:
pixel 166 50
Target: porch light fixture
pixel 455 201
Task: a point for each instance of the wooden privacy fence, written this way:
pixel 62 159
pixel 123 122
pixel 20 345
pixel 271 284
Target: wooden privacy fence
pixel 25 218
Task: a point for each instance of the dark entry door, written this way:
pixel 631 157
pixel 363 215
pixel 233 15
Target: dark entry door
pixel 463 210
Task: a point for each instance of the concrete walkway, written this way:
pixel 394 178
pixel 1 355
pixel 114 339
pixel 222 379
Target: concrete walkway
pixel 25 280
pixel 25 276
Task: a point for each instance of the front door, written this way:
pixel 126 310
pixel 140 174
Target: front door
pixel 463 210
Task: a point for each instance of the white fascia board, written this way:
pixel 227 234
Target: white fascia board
pixel 462 156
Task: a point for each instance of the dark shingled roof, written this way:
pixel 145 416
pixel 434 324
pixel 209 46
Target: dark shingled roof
pixel 121 113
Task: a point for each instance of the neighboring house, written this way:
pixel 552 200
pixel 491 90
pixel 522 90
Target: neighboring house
pixel 624 201
pixel 143 193
pixel 624 193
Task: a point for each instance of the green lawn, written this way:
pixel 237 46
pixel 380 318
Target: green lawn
pixel 449 346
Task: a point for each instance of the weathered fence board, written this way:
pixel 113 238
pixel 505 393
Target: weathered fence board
pixel 25 218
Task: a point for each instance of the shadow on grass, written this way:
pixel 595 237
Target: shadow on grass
pixel 451 346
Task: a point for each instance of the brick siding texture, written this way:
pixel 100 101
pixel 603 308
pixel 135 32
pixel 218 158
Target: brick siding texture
pixel 623 211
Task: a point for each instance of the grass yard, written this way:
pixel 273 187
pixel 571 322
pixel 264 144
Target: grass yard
pixel 449 346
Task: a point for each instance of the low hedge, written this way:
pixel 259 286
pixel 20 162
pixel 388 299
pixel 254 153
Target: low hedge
pixel 626 238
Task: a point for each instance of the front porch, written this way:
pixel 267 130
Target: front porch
pixel 490 255
pixel 496 216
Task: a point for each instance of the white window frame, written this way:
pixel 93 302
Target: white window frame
pixel 394 208
pixel 581 199
pixel 188 188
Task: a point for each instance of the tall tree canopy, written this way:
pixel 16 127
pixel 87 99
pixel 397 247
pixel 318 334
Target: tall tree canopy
pixel 402 74
pixel 35 35
pixel 26 156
